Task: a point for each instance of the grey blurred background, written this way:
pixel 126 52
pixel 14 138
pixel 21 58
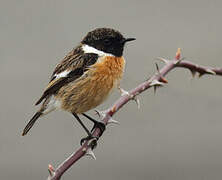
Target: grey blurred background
pixel 175 135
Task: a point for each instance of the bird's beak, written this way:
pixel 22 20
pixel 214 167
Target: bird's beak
pixel 128 39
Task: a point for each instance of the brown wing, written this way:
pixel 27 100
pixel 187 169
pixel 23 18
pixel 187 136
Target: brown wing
pixel 76 63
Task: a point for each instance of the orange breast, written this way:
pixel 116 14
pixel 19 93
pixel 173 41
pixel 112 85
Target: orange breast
pixel 109 69
pixel 94 87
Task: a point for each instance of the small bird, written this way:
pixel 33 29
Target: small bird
pixel 85 77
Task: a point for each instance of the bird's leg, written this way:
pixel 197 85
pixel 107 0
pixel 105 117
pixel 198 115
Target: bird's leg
pixel 90 136
pixel 97 124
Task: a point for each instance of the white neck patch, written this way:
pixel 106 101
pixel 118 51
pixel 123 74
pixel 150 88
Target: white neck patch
pixel 89 49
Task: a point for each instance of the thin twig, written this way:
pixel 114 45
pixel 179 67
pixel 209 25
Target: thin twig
pixel 156 80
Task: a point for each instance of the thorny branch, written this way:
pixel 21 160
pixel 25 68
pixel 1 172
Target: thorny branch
pixel 156 80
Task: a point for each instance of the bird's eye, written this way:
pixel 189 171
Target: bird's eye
pixel 107 42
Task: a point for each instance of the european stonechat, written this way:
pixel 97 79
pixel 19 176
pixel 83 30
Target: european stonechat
pixel 85 77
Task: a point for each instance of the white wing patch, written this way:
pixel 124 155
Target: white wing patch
pixel 89 49
pixel 62 74
pixel 86 49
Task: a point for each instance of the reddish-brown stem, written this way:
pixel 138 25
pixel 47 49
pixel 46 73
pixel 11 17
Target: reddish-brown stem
pixel 155 80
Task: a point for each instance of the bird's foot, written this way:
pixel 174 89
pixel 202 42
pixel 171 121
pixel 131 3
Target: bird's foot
pixel 99 124
pixel 93 140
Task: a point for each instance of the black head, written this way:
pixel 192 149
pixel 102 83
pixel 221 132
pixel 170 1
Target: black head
pixel 107 40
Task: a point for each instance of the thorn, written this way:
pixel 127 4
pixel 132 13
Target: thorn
pixel 163 80
pixel 154 88
pixel 200 75
pixel 137 102
pixel 157 68
pixel 178 54
pixel 123 92
pixel 90 153
pixel 193 72
pixel 112 121
pixel 209 71
pixel 133 97
pixel 113 109
pixel 156 83
pixel 178 61
pixel 51 170
pixel 163 60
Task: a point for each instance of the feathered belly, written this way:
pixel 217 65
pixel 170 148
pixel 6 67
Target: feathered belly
pixel 93 87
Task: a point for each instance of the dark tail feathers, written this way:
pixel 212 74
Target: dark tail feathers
pixel 31 123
